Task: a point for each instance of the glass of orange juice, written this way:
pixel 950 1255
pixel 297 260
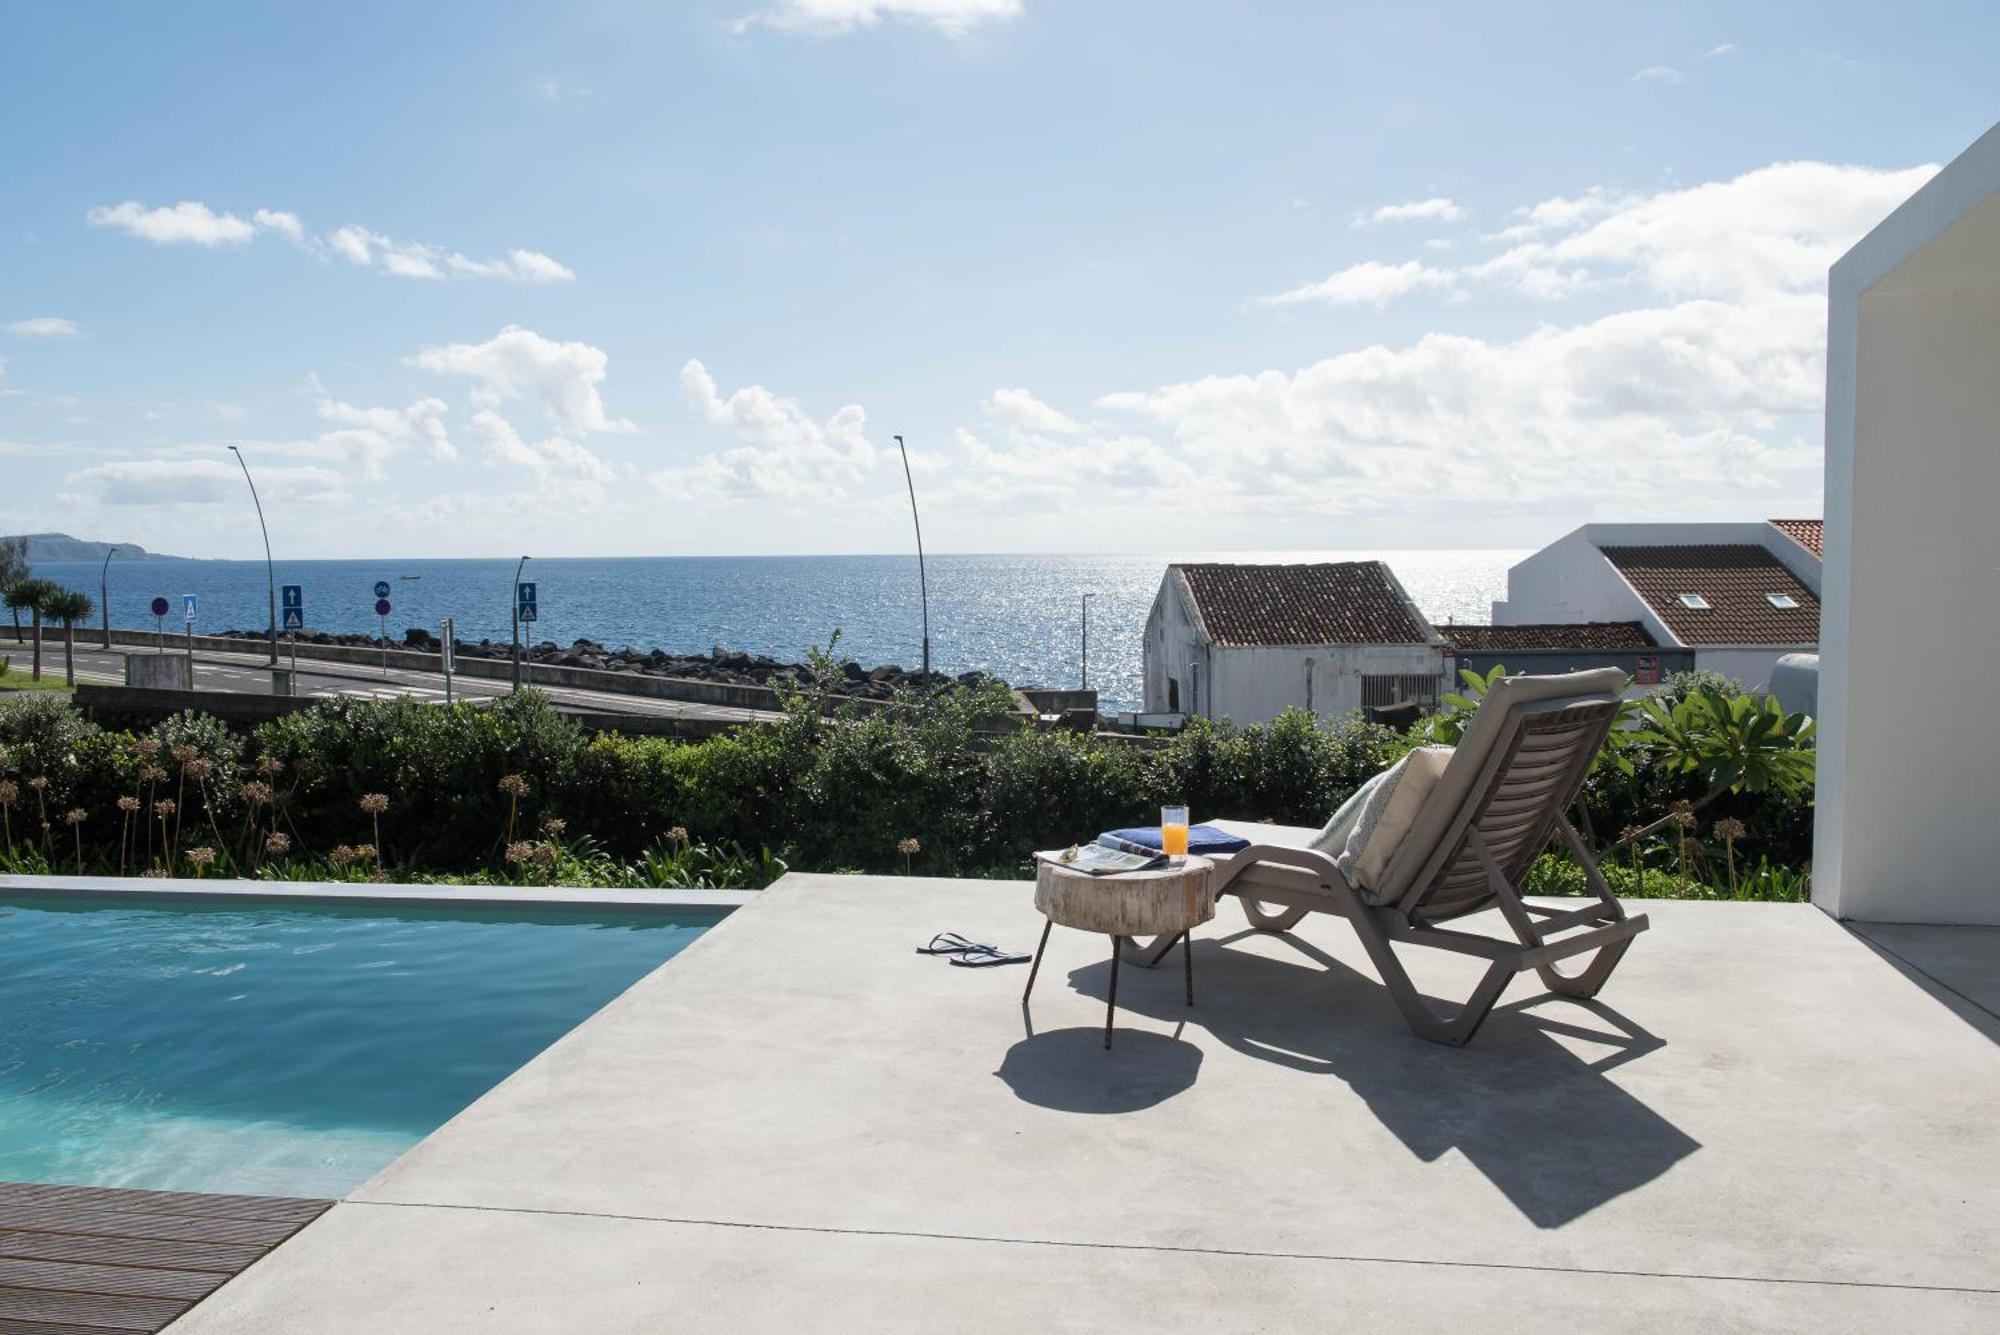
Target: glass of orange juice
pixel 1174 832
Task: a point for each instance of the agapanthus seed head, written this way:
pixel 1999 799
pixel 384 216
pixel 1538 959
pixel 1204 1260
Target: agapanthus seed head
pixel 199 768
pixel 520 850
pixel 201 855
pixel 270 767
pixel 152 774
pixel 9 793
pixel 366 853
pixel 128 803
pixel 677 835
pixel 514 785
pixel 164 807
pixel 145 748
pixel 554 825
pixel 374 803
pixel 909 847
pixel 277 843
pixel 75 816
pixel 341 855
pixel 258 793
pixel 39 782
pixel 183 753
pixel 1730 829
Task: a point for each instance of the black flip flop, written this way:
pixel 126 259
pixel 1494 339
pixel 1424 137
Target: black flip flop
pixel 985 957
pixel 950 943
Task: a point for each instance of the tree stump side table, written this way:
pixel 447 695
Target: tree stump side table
pixel 1166 902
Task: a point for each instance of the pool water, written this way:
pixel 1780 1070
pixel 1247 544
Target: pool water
pixel 277 1048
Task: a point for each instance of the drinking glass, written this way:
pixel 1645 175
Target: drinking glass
pixel 1174 832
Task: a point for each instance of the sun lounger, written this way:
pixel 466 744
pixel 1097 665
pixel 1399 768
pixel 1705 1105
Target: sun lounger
pixel 1492 810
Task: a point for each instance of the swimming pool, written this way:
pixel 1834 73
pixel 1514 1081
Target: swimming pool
pixel 280 1049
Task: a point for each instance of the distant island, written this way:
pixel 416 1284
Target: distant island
pixel 62 547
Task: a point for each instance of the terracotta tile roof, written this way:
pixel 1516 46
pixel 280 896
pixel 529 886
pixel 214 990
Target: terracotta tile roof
pixel 1558 636
pixel 1351 602
pixel 1805 532
pixel 1734 580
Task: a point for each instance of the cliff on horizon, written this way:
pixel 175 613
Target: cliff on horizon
pixel 62 547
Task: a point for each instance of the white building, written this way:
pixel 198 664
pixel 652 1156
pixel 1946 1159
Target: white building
pixel 1247 642
pixel 1738 596
pixel 1909 736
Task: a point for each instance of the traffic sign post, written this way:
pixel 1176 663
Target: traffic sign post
pixel 382 610
pixel 293 597
pixel 160 608
pixel 524 599
pixel 446 649
pixel 190 604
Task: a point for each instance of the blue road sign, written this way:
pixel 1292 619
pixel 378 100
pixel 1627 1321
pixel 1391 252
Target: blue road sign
pixel 381 588
pixel 382 607
pixel 524 600
pixel 292 595
pixel 295 618
pixel 161 607
pixel 189 605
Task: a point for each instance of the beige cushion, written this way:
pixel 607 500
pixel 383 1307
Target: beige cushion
pixel 1388 807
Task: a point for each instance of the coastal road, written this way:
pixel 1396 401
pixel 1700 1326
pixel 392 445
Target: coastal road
pixel 250 674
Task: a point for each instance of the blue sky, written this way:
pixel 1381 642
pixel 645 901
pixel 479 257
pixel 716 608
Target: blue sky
pixel 645 278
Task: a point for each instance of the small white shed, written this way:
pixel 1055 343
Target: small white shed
pixel 1247 642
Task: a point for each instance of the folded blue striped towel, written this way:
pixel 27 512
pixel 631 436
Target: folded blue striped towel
pixel 1201 839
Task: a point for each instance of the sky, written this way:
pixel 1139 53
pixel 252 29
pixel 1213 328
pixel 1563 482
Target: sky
pixel 1127 275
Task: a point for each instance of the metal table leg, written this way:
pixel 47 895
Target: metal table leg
pixel 1036 967
pixel 1187 955
pixel 1111 1007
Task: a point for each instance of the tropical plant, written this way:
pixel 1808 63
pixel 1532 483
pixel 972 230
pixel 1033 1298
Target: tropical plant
pixel 30 596
pixel 69 607
pixel 13 569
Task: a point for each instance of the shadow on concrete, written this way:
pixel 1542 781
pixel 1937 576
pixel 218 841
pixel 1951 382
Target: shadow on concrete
pixel 1528 1102
pixel 1070 1071
pixel 1959 967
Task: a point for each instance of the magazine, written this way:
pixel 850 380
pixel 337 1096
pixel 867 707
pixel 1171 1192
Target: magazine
pixel 1108 856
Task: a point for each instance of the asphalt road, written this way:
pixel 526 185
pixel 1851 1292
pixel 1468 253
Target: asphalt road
pixel 250 674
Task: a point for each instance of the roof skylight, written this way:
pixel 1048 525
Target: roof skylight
pixel 1694 602
pixel 1784 602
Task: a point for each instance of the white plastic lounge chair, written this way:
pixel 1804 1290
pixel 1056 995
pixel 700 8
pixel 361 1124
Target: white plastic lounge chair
pixel 1493 809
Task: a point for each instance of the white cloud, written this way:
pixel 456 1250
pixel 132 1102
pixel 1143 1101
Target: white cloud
pixel 1419 210
pixel 1368 283
pixel 1720 50
pixel 952 17
pixel 554 458
pixel 186 221
pixel 1019 408
pixel 202 482
pixel 286 224
pixel 562 379
pixel 197 223
pixel 45 326
pixel 421 422
pixel 790 456
pixel 1659 74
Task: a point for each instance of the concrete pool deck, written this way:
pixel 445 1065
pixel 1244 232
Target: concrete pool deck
pixel 1767 1123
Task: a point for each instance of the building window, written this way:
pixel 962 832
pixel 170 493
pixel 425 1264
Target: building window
pixel 1173 695
pixel 1406 688
pixel 1694 602
pixel 1784 602
pixel 1309 686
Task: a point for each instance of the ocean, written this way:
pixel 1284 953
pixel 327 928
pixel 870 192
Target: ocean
pixel 1017 617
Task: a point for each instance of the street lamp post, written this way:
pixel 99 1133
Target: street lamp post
pixel 923 584
pixel 104 594
pixel 270 570
pixel 1084 684
pixel 515 594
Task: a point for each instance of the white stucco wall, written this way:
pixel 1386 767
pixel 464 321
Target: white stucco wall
pixel 1569 580
pixel 1750 665
pixel 1255 685
pixel 1172 648
pixel 1909 753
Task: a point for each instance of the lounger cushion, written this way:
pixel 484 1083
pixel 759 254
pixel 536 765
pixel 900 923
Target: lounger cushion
pixel 1372 823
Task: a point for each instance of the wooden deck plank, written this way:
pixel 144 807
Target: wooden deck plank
pixel 110 1260
pixel 191 1203
pixel 120 1280
pixel 135 1224
pixel 225 1258
pixel 89 1309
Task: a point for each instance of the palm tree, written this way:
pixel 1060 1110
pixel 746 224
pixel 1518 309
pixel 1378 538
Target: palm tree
pixel 13 569
pixel 28 595
pixel 69 607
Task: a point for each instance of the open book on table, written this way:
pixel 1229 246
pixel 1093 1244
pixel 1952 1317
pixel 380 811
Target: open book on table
pixel 1108 855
